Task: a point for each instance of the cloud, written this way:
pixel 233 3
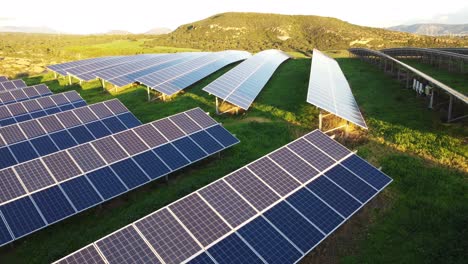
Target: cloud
pixel 457 17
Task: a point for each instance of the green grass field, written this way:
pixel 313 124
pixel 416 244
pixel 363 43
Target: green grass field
pixel 420 218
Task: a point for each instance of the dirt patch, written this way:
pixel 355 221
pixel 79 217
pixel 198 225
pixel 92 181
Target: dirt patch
pixel 256 119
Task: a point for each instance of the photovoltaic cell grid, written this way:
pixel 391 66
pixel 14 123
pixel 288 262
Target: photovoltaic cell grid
pixel 176 78
pixel 44 106
pixel 329 90
pixel 30 139
pixel 61 68
pixel 47 189
pixel 252 215
pixel 11 85
pixel 88 72
pixel 3 79
pixel 241 85
pixel 24 94
pixel 128 73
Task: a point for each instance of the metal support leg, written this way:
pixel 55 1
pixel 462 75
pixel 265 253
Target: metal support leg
pixel 103 83
pixel 149 94
pixel 347 129
pixel 431 101
pixel 55 75
pixel 69 80
pixel 449 115
pixel 217 106
pixel 320 119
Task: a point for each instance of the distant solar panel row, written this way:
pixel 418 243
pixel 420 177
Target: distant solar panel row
pixel 241 85
pixel 49 105
pixel 127 73
pixel 274 210
pixel 31 139
pixel 330 91
pixel 3 79
pixel 62 68
pixel 178 77
pixel 88 72
pixel 42 191
pixel 23 94
pixel 11 85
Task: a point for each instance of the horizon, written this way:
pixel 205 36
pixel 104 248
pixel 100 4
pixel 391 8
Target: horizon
pixel 78 21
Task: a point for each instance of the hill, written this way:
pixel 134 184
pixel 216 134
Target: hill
pixel 255 31
pixel 37 30
pixel 118 32
pixel 158 31
pixel 434 29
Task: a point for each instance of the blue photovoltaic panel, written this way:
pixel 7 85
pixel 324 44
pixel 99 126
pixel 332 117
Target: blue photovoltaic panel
pixel 72 180
pixel 233 250
pixel 129 120
pixel 208 143
pixel 222 136
pixel 263 225
pixel 241 85
pixel 367 172
pixel 5 236
pixel 61 67
pixel 171 156
pixel 3 79
pixel 23 94
pixel 172 80
pixel 11 85
pixel 269 243
pixel 330 91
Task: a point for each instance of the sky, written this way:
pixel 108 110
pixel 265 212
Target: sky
pixel 138 16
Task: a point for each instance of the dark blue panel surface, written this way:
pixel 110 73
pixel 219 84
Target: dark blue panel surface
pixel 38 114
pixel 129 173
pixel 23 151
pixel 315 210
pixel 334 196
pixel 81 134
pixel 222 135
pixel 270 244
pixel 98 129
pixel 63 139
pixel 81 193
pixel 151 164
pixel 234 251
pixel 22 217
pixel 302 233
pixel 367 172
pixel 190 149
pixel 44 145
pixel 352 184
pixel 66 107
pixel 129 120
pixel 171 156
pixel 52 110
pixel 201 259
pixel 6 122
pixel 106 183
pixel 22 118
pixel 53 204
pixel 206 142
pixel 79 104
pixel 5 236
pixel 114 124
pixel 7 159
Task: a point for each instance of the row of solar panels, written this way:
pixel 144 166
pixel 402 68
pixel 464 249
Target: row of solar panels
pixel 274 210
pixel 171 73
pixel 56 151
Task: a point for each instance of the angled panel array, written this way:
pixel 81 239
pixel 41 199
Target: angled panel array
pixel 274 210
pixel 330 91
pixel 62 68
pixel 129 73
pixel 178 77
pixel 24 94
pixel 11 85
pixel 241 85
pixel 88 72
pixel 3 79
pixel 42 136
pixel 43 191
pixel 44 106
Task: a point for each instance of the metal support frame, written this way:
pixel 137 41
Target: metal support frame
pixel 69 80
pixel 450 108
pixel 322 116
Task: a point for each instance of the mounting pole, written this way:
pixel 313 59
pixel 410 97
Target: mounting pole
pixel 431 102
pixel 347 129
pixel 103 84
pixel 149 95
pixel 217 106
pixel 55 75
pixel 320 119
pixel 449 116
pixel 69 80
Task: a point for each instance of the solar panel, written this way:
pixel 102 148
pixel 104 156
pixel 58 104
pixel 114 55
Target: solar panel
pixel 62 67
pixel 22 111
pixel 11 85
pixel 82 176
pixel 178 77
pixel 3 79
pixel 241 85
pixel 241 218
pixel 330 91
pixel 23 94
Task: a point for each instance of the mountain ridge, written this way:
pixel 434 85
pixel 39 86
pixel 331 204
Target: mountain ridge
pixel 433 29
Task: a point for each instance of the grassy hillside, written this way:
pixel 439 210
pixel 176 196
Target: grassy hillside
pixel 420 218
pixel 254 31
